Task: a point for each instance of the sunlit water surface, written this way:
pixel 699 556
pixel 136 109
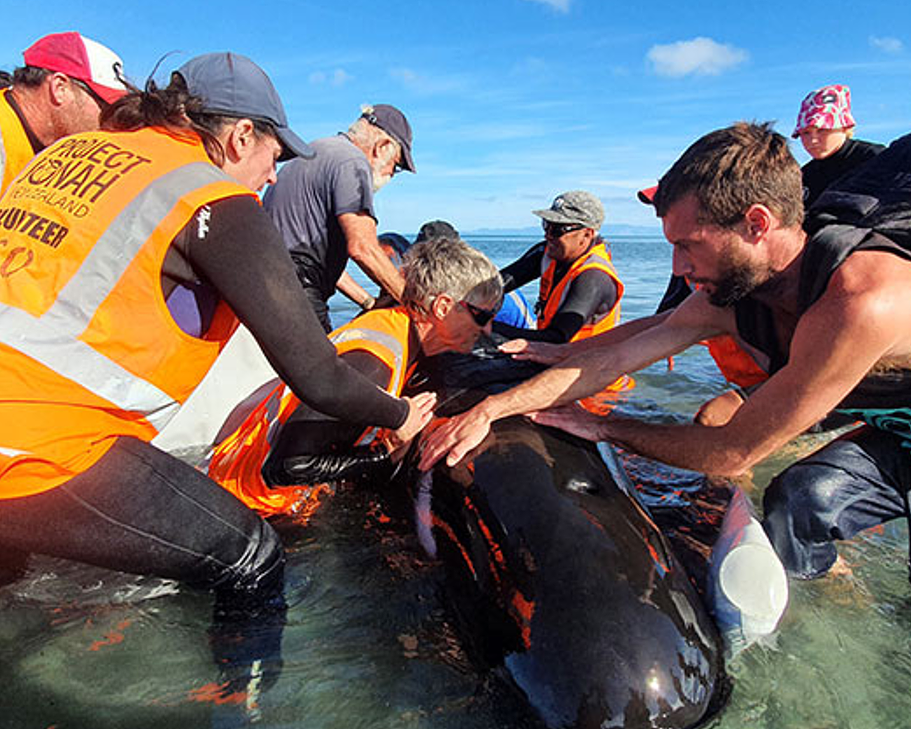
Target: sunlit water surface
pixel 368 641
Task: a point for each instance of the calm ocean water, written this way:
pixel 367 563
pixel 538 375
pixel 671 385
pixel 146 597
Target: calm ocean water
pixel 367 642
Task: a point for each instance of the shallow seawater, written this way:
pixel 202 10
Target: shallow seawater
pixel 367 641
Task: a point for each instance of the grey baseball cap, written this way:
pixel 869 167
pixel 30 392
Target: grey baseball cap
pixel 233 85
pixel 394 123
pixel 574 207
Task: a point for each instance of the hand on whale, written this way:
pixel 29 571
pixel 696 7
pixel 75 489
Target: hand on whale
pixel 457 437
pixel 573 419
pixel 542 352
pixel 420 412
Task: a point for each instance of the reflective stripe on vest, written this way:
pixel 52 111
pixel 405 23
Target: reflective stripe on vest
pixel 89 351
pixel 528 319
pixel 236 463
pixel 52 338
pixel 360 334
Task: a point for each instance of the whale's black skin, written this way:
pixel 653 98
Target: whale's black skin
pixel 563 581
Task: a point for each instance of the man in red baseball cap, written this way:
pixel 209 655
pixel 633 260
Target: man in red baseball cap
pixel 66 81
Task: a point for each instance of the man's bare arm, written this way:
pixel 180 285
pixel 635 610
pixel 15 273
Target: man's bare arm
pixel 365 250
pixel 851 328
pixel 353 290
pixel 580 375
pixel 553 353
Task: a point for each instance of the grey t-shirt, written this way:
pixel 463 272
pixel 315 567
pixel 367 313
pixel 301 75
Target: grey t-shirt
pixel 305 204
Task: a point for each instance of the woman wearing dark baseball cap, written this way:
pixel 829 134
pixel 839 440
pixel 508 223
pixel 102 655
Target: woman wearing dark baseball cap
pixel 144 262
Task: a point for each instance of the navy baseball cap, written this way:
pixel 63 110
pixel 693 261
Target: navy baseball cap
pixel 394 123
pixel 233 85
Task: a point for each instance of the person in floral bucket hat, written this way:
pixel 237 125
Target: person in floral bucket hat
pixel 825 127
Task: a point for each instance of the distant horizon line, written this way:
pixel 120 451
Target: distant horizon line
pixel 533 230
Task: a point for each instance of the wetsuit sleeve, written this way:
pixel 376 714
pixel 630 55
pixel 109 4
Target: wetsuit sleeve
pixel 591 292
pixel 243 257
pixel 310 431
pixel 524 270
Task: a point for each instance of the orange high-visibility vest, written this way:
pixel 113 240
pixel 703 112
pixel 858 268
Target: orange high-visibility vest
pixel 553 296
pixel 15 147
pixel 599 258
pixel 88 349
pixel 735 363
pixel 236 463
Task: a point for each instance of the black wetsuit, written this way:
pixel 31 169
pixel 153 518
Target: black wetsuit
pixel 312 447
pixel 862 479
pixel 141 510
pixel 591 292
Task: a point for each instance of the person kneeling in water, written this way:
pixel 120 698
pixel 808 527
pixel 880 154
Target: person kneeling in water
pixel 452 293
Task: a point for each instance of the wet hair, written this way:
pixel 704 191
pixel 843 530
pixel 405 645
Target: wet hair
pixel 448 266
pixel 6 79
pixel 178 111
pixel 729 170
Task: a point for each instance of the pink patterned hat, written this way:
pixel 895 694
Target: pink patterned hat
pixel 825 108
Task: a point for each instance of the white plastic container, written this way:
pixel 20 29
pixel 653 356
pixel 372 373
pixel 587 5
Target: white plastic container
pixel 747 585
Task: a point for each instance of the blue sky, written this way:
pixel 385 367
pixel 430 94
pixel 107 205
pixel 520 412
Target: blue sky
pixel 515 101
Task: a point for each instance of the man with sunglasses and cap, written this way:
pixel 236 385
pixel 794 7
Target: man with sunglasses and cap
pixel 580 289
pixel 65 83
pixel 323 206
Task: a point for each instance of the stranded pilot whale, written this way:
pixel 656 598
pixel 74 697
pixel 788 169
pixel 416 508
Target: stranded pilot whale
pixel 560 579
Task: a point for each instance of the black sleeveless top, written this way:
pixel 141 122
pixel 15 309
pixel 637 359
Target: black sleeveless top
pixel 867 210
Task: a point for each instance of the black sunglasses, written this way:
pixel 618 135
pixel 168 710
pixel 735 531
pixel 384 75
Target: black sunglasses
pixel 559 229
pixel 481 316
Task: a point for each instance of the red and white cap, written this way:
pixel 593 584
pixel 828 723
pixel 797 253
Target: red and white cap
pixel 80 58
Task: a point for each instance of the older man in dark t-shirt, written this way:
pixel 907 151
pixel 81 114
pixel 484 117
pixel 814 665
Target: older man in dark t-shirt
pixel 323 206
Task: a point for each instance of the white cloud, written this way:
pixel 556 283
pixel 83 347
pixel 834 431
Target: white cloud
pixel 561 5
pixel 700 56
pixel 424 84
pixel 887 44
pixel 338 77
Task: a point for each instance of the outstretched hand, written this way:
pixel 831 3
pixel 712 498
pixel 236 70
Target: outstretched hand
pixel 420 411
pixel 573 419
pixel 455 438
pixel 543 352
